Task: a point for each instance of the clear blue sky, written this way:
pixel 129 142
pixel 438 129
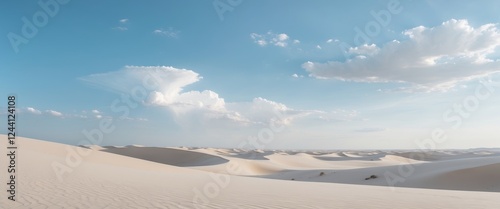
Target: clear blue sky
pixel 331 74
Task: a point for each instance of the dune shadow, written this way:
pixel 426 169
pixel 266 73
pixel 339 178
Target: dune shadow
pixel 325 158
pixel 169 156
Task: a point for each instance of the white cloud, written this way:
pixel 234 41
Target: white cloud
pixel 318 47
pixel 295 75
pixel 296 41
pixel 54 113
pixel 33 111
pixel 160 86
pixel 165 80
pixel 263 111
pixel 364 49
pixel 332 40
pixel 431 59
pixel 280 40
pixel 338 115
pixel 163 86
pixel 258 39
pixel 122 26
pixel 170 32
pixel 87 114
pixel 83 115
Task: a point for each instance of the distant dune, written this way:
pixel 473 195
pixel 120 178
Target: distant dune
pixel 168 156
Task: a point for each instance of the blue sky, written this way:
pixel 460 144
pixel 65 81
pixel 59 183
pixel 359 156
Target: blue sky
pixel 332 74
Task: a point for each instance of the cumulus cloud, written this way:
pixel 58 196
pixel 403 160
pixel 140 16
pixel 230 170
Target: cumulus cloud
pixel 163 86
pixel 431 59
pixel 270 38
pixel 170 32
pixel 152 84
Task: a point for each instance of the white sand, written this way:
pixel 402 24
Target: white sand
pixel 141 177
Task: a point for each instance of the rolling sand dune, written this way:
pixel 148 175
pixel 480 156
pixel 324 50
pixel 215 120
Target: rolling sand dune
pixel 144 177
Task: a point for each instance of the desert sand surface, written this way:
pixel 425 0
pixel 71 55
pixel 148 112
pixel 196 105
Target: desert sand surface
pixel 52 175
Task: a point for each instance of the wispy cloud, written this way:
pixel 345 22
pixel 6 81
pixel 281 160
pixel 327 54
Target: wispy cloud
pixel 122 25
pixel 121 28
pixel 95 114
pixel 332 40
pixel 170 32
pixel 33 111
pixel 270 38
pixel 54 113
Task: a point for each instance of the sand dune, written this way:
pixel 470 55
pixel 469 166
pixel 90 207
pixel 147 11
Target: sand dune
pixel 475 174
pixel 298 161
pixel 396 158
pixel 480 178
pixel 146 178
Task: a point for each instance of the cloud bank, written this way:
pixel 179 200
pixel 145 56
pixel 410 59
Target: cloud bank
pixel 163 86
pixel 431 59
